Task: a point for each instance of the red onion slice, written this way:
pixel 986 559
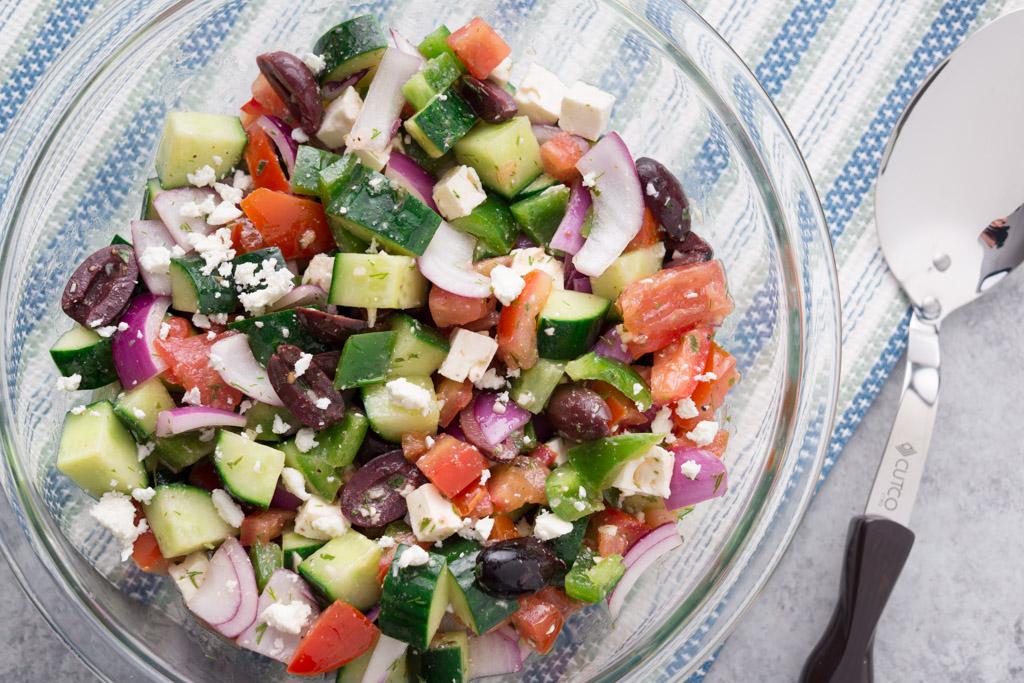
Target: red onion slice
pixel 147 234
pixel 281 133
pixel 497 426
pixel 384 101
pixel 218 599
pixel 412 177
pixel 246 587
pixel 404 45
pixel 232 358
pixel 610 345
pixel 191 418
pixel 283 587
pixel 332 89
pixel 448 263
pixel 568 237
pixel 303 295
pixel 494 654
pixel 135 356
pixel 639 559
pixel 710 482
pixel 168 205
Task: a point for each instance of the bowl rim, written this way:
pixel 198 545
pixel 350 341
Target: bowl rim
pixel 100 58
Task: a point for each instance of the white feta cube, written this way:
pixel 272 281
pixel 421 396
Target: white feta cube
pixel 319 272
pixel 548 525
pixel 469 356
pixel 501 73
pixel 116 512
pixel 458 192
pixel 586 110
pixel 371 159
pixel 339 117
pixel 320 519
pixel 413 556
pixel 189 574
pixel 506 284
pixel 432 515
pixel 539 95
pixel 535 258
pixel 410 395
pixel 650 474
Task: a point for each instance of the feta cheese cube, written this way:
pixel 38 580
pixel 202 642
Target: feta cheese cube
pixel 371 159
pixel 227 508
pixel 469 356
pixel 649 474
pixel 413 556
pixel 548 525
pixel 189 574
pixel 535 258
pixel 339 117
pixel 320 519
pixel 539 95
pixel 501 73
pixel 319 272
pixel 586 110
pixel 116 513
pixel 704 433
pixel 458 192
pixel 506 284
pixel 432 516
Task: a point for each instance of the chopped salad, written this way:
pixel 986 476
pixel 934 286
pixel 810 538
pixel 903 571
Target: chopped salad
pixel 410 362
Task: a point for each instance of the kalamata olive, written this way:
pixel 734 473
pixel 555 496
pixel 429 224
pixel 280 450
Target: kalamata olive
pixel 489 101
pixel 664 196
pixel 516 567
pixel 304 392
pixel 371 447
pixel 328 362
pixel 690 249
pixel 292 80
pixel 579 413
pixel 372 497
pixel 100 288
pixel 327 327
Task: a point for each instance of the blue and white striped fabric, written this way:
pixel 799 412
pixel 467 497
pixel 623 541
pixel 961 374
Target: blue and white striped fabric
pixel 841 72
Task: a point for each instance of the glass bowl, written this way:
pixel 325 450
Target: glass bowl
pixel 77 158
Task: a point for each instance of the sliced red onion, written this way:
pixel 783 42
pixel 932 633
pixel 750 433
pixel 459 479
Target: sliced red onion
pixel 610 345
pixel 575 280
pixel 618 204
pixel 543 132
pixel 404 45
pixel 281 133
pixel 471 430
pixel 191 418
pixel 569 236
pixel 494 654
pixel 455 429
pixel 246 587
pixel 639 559
pixel 333 89
pixel 227 599
pixel 284 499
pixel 497 426
pixel 386 652
pixel 283 587
pixel 384 101
pixel 147 234
pixel 135 356
pixel 524 242
pixel 168 205
pixel 232 358
pixel 372 613
pixel 303 295
pixel 448 263
pixel 412 177
pixel 710 482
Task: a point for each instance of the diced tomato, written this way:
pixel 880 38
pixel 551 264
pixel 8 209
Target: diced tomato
pixel 147 556
pixel 452 465
pixel 414 444
pixel 623 410
pixel 676 367
pixel 388 554
pixel 453 396
pixel 474 501
pixel 261 158
pixel 613 532
pixel 708 397
pixel 504 528
pixel 716 447
pixel 539 620
pixel 657 309
pixel 245 237
pixel 188 363
pixel 544 455
pixel 268 100
pixel 479 47
pixel 449 309
pixel 517 326
pixel 265 526
pixel 298 226
pixel 204 475
pixel 518 483
pixel 559 156
pixel 649 232
pixel 340 634
pixel 177 328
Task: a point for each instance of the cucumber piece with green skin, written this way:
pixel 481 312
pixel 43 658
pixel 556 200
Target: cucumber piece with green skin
pixel 266 558
pixel 569 324
pixel 98 453
pixel 139 407
pixel 346 241
pixel 377 281
pixel 345 568
pixel 493 225
pixel 435 44
pixel 336 448
pixel 192 140
pixel 257 259
pixel 597 461
pixel 183 450
pixel 371 206
pixel 543 182
pixel 533 387
pixel 435 167
pixel 477 610
pixel 619 375
pixel 153 188
pixel 81 351
pixel 296 544
pixel 442 122
pixel 267 332
pixel 350 47
pixel 418 350
pixel 540 214
pixel 390 420
pixel 192 291
pixel 259 420
pixel 567 547
pixel 184 520
pixel 332 177
pixel 436 76
pixel 355 671
pixel 248 469
pixel 364 359
pixel 506 155
pixel 593 577
pixel 563 488
pixel 309 161
pixel 446 660
pixel 413 599
pixel 631 267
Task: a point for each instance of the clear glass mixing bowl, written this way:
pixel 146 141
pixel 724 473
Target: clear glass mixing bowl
pixel 74 166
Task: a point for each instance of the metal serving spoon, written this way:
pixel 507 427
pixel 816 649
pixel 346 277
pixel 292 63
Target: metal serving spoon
pixel 951 224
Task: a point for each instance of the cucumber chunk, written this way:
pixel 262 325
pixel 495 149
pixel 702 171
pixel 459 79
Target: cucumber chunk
pixel 267 332
pixel 248 469
pixel 336 448
pixel 442 122
pixel 493 225
pixel 418 350
pixel 567 546
pixel 266 558
pixel 414 599
pixel 138 407
pixel 477 610
pixel 534 387
pixel 148 212
pixel 543 182
pixel 377 281
pixel 345 569
pixel 627 269
pixel 98 453
pixel 540 214
pixel 437 75
pixel 569 324
pixel 350 47
pixel 296 545
pixel 184 520
pixel 83 352
pixel 435 44
pixel 390 420
pixel 364 360
pixel 333 176
pixel 446 660
pixel 193 291
pixel 309 162
pixel 506 155
pixel 183 450
pixel 192 140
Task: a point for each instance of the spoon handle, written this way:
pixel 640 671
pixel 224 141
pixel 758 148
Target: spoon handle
pixel 876 549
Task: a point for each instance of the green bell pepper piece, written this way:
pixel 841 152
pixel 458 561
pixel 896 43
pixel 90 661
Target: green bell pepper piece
pixel 567 547
pixel 591 578
pixel 619 375
pixel 597 461
pixel 266 559
pixel 564 487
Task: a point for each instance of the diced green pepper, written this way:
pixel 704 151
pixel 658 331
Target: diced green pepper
pixel 567 546
pixel 266 559
pixel 335 449
pixel 570 496
pixel 592 577
pixel 364 360
pixel 597 461
pixel 619 375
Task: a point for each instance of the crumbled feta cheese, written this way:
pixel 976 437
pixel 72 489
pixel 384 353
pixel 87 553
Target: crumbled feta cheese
pixel 549 331
pixel 410 396
pixel 294 483
pixel 686 408
pixel 228 193
pixel 143 450
pixel 201 321
pixel 204 176
pixel 385 542
pixel 535 258
pixel 412 556
pixel 428 441
pixel 155 260
pixel 490 380
pixel 227 508
pixel 558 446
pixel 320 519
pixel 78 410
pixel 319 272
pixel 241 181
pixel 485 476
pixel 224 213
pixel 280 426
pixel 139 413
pixel 192 397
pixel 458 192
pixel 305 440
pixel 501 73
pixel 586 110
pixel 649 474
pixel 539 95
pixel 662 422
pixel 302 364
pixel 690 469
pixel 706 377
pixel 590 179
pixel 484 526
pixel 339 117
pixel 315 62
pixel 190 573
pixel 506 284
pixel 145 495
pixel 116 513
pixel 469 355
pixel 206 435
pixel 260 287
pixel 637 388
pixel 299 135
pixel 548 525
pixel 288 617
pixel 323 403
pixel 431 515
pixel 69 383
pixel 704 433
pixel 215 248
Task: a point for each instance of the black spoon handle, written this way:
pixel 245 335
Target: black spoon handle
pixel 876 549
